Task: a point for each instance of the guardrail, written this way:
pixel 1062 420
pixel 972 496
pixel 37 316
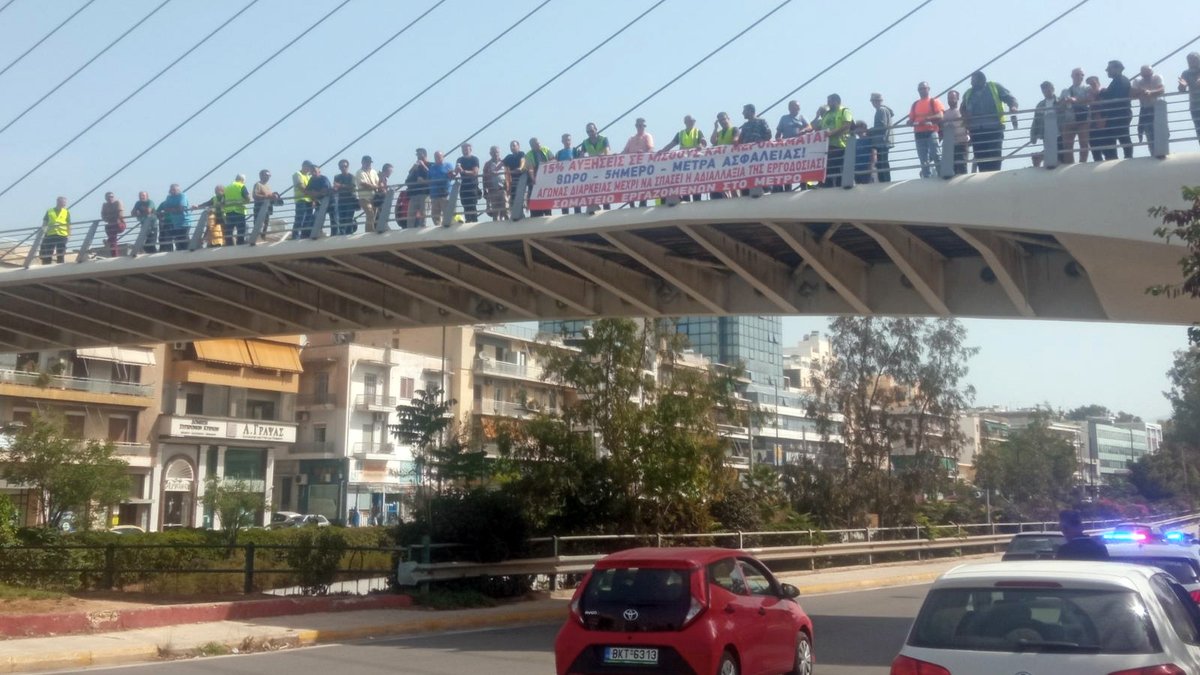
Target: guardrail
pixel 952 538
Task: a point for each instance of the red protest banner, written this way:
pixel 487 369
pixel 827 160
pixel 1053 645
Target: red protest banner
pixel 638 176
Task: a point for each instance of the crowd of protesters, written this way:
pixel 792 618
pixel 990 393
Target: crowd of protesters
pixel 1092 120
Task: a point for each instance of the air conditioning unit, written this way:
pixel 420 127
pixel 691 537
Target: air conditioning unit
pixel 302 479
pixel 179 346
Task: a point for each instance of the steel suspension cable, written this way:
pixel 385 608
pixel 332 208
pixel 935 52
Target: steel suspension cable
pixel 87 63
pixel 847 55
pixel 213 101
pixel 45 37
pixel 697 64
pixel 1176 51
pixel 322 90
pixel 5 5
pixel 125 100
pixel 559 74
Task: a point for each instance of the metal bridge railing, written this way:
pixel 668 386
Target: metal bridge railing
pixel 21 247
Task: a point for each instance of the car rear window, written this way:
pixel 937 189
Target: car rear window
pixel 660 597
pixel 1034 544
pixel 1035 619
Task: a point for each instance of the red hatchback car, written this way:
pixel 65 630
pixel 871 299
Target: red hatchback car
pixel 684 611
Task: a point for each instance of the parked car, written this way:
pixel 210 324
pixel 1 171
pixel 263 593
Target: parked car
pixel 284 519
pixel 684 610
pixel 1181 562
pixel 1060 617
pixel 126 529
pixel 1033 546
pixel 313 519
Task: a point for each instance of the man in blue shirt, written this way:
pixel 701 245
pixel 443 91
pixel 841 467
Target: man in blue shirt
pixel 173 216
pixel 418 189
pixel 440 173
pixel 567 154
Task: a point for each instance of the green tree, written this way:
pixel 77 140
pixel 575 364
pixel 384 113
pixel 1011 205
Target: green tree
pixel 891 387
pixel 1033 468
pixel 65 474
pixel 1083 412
pixel 442 457
pixel 235 503
pixel 1182 224
pixel 1174 471
pixel 651 420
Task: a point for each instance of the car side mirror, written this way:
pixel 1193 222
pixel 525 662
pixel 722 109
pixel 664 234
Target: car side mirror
pixel 790 591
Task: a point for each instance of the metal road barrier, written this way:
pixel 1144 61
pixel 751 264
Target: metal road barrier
pixel 20 247
pixel 864 543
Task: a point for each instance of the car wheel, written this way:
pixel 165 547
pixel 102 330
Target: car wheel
pixel 728 665
pixel 804 655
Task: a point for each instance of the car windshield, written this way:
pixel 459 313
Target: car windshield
pixel 1035 619
pixel 1047 544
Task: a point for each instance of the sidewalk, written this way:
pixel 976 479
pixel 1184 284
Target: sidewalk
pixel 233 636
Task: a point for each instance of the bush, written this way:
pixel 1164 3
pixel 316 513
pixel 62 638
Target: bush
pixel 488 526
pixel 317 558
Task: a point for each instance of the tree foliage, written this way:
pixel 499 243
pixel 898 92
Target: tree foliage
pixel 893 386
pixel 65 474
pixel 235 503
pixel 1174 471
pixel 443 458
pixel 641 435
pixel 1033 468
pixel 1182 224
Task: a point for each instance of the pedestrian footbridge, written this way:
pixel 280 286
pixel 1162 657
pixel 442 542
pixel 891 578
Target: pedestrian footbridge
pixel 1075 242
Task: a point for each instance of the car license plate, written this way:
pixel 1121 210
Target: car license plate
pixel 641 655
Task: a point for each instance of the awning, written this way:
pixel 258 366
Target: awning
pixel 231 352
pixel 275 356
pixel 131 355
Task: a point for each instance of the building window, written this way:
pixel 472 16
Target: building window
pixel 407 385
pixel 318 432
pixel 321 386
pixel 75 425
pixel 260 410
pixel 194 404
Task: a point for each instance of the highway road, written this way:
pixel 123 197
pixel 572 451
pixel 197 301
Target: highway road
pixel 856 633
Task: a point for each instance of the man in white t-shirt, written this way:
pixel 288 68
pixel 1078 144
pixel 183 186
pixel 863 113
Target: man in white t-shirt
pixel 366 183
pixel 1147 87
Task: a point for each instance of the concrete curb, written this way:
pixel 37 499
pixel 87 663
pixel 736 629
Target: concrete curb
pixel 431 625
pixel 106 621
pixel 866 584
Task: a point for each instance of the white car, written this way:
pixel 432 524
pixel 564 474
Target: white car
pixel 1054 618
pixel 1181 562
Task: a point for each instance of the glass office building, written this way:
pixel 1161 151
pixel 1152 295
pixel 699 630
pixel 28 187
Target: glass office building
pixel 755 342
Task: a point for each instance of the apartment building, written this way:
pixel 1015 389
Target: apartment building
pixel 104 394
pixel 345 464
pixel 228 410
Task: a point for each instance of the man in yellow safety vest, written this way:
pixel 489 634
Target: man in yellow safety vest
pixel 57 222
pixel 237 196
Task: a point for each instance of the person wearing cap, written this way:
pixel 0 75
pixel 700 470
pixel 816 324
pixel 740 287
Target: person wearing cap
pixel 264 196
pixel 882 137
pixel 983 114
pixel 366 181
pixel 641 141
pixel 925 116
pixel 1115 112
pixel 304 205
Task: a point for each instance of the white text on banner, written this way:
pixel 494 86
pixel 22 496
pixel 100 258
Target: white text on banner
pixel 639 176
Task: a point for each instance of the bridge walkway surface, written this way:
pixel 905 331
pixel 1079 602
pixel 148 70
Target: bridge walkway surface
pixel 174 639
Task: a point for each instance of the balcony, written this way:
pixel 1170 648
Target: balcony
pixel 504 409
pixel 320 399
pixel 44 385
pixel 374 403
pixel 135 454
pixel 506 369
pixel 374 451
pixel 312 448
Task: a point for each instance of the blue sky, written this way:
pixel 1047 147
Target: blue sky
pixel 1021 362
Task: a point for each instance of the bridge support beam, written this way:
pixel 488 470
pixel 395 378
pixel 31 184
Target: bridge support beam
pixel 920 264
pixel 841 270
pixel 631 287
pixel 32 312
pixel 703 287
pixel 354 290
pixel 1006 261
pixel 448 300
pixel 765 274
pixel 486 284
pixel 566 289
pixel 242 297
pixel 346 314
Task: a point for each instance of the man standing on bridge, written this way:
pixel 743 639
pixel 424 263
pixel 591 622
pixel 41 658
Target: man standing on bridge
pixel 839 122
pixel 983 114
pixel 57 222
